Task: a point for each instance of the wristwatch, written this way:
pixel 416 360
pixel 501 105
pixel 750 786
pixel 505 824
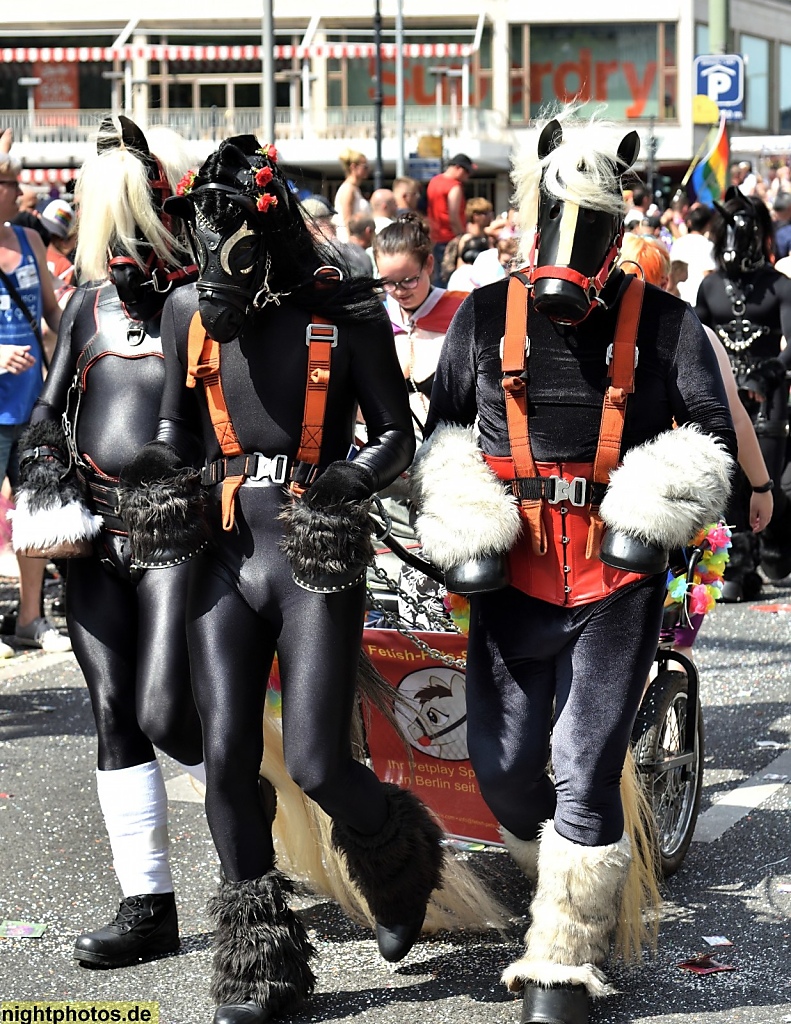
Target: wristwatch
pixel 764 487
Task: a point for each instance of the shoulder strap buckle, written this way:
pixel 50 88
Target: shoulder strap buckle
pixel 322 332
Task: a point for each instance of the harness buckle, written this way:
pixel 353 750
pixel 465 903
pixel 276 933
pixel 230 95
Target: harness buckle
pixel 160 280
pixel 273 469
pixel 610 353
pixel 135 333
pixel 322 332
pixel 573 491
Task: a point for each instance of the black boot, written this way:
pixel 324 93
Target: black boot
pixel 261 951
pixel 396 870
pixel 560 1004
pixel 144 927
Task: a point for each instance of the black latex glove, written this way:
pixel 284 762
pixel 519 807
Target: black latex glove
pixel 763 377
pixel 340 482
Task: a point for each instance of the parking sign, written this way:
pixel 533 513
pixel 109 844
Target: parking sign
pixel 720 77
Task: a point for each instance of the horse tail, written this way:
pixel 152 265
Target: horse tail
pixel 302 834
pixel 638 923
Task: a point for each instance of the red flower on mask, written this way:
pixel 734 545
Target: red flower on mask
pixel 269 151
pixel 263 176
pixel 186 184
pixel 265 201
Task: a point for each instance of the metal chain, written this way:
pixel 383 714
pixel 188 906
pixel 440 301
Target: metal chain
pixel 444 622
pixel 399 626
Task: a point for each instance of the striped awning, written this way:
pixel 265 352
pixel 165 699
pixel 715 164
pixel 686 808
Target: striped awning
pixel 87 54
pixel 47 175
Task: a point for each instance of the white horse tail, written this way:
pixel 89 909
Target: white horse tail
pixel 302 830
pixel 638 923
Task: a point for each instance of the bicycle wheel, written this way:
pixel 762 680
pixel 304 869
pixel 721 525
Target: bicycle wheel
pixel 674 789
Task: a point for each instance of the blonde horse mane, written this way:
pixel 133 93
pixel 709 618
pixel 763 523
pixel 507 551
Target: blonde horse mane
pixel 581 170
pixel 114 199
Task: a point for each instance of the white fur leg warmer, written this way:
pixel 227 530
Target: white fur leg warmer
pixel 465 512
pixel 574 914
pixel 669 488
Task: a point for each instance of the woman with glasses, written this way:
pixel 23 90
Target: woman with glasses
pixel 419 312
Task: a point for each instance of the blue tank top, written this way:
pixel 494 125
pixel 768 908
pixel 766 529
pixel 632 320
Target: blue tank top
pixel 18 392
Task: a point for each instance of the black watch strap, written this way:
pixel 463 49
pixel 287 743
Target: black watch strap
pixel 764 487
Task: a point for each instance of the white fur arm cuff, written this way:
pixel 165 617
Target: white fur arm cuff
pixel 465 511
pixel 669 488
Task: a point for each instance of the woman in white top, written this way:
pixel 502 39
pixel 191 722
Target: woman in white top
pixel 349 200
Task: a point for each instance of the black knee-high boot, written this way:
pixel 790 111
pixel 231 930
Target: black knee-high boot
pixel 396 870
pixel 261 951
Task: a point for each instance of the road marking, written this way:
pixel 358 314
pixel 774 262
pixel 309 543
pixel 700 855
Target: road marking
pixel 736 804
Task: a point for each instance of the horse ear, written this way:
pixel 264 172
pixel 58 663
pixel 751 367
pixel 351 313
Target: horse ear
pixel 245 202
pixel 109 136
pixel 628 150
pixel 179 206
pixel 727 217
pixel 550 138
pixel 732 192
pixel 133 137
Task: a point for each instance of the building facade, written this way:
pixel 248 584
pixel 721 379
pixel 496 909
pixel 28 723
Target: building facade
pixel 474 74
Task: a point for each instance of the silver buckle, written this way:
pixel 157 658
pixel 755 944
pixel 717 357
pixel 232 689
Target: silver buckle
pixel 321 333
pixel 572 491
pixel 610 348
pixel 273 469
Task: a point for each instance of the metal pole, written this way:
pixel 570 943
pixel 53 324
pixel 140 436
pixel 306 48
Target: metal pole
pixel 718 26
pixel 399 86
pixel 268 73
pixel 378 97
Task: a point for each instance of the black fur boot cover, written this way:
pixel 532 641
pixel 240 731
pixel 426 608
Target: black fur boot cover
pixel 261 950
pixel 328 544
pixel 397 869
pixel 162 507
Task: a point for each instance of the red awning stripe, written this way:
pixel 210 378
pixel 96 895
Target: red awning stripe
pixel 87 54
pixel 47 175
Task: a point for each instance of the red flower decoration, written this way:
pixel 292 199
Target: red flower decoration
pixel 186 184
pixel 270 152
pixel 265 201
pixel 263 177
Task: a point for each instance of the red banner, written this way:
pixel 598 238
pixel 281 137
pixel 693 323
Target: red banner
pixel 433 719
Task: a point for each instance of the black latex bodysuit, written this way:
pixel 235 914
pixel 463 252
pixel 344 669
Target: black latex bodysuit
pixel 243 602
pixel 530 661
pixel 767 304
pixel 127 632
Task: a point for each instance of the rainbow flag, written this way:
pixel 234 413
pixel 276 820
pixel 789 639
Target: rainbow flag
pixel 709 179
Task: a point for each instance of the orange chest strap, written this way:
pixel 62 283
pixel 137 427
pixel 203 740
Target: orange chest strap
pixel 516 350
pixel 203 364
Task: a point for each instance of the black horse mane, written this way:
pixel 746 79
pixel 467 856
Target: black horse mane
pixel 751 206
pixel 295 255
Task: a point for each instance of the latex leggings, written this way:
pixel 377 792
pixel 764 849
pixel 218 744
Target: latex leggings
pixel 231 650
pixel 130 643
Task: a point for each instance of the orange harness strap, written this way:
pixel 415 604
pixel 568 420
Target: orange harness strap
pixel 516 346
pixel 622 367
pixel 321 338
pixel 203 363
pixel 203 359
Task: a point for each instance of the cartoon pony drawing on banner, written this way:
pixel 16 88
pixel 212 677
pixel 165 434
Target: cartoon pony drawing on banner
pixel 432 714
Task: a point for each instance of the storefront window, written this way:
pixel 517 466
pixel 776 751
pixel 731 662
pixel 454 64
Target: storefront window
pixel 756 71
pixel 701 40
pixel 785 88
pixel 626 67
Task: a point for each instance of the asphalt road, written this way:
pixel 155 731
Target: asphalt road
pixel 56 869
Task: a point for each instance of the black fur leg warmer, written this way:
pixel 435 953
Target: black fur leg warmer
pixel 261 950
pixel 162 508
pixel 328 548
pixel 51 517
pixel 397 869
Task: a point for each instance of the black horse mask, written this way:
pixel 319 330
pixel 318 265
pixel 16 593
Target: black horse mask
pixel 576 246
pixel 743 247
pixel 141 289
pixel 235 191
